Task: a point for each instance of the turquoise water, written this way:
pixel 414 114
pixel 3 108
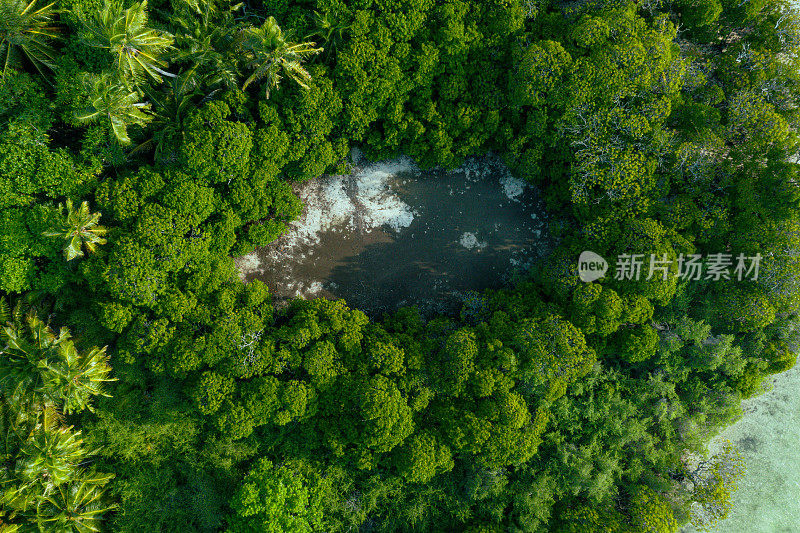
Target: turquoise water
pixel 768 437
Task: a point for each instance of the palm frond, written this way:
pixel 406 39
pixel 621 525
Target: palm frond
pixel 267 51
pixel 25 35
pixel 5 310
pixel 77 505
pixel 40 368
pixel 137 50
pixel 115 102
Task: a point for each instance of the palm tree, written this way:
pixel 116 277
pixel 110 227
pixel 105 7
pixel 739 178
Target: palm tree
pixel 46 485
pixel 25 32
pixel 206 43
pixel 13 428
pixel 39 368
pixel 45 454
pixel 169 110
pixel 329 31
pixel 116 102
pixel 50 454
pixel 41 479
pixel 137 49
pixel 268 53
pixel 79 227
pixel 76 506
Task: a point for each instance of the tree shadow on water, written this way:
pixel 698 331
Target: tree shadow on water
pixel 433 273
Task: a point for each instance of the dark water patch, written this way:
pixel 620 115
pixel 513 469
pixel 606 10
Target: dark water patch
pixel 398 236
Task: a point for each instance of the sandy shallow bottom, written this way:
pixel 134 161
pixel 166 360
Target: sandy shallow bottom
pixel 389 235
pixel 768 437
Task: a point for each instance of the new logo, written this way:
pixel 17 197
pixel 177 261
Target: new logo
pixel 591 266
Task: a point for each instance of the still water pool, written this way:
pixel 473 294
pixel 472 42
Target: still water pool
pixel 389 235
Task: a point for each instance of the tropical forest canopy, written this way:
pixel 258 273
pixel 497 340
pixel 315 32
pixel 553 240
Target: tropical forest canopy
pixel 144 145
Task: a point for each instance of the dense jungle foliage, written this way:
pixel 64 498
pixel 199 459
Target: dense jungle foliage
pixel 144 145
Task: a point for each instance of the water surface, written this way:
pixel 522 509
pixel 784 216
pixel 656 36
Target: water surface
pixel 768 437
pixel 389 235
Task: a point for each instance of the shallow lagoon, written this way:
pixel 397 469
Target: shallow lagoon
pixel 389 235
pixel 768 437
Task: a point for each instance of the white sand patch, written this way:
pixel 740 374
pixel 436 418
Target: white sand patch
pixel 299 289
pixel 380 205
pixel 362 201
pixel 302 290
pixel 476 169
pixel 327 205
pixel 247 264
pixel 470 241
pixel 513 187
pixel 315 287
